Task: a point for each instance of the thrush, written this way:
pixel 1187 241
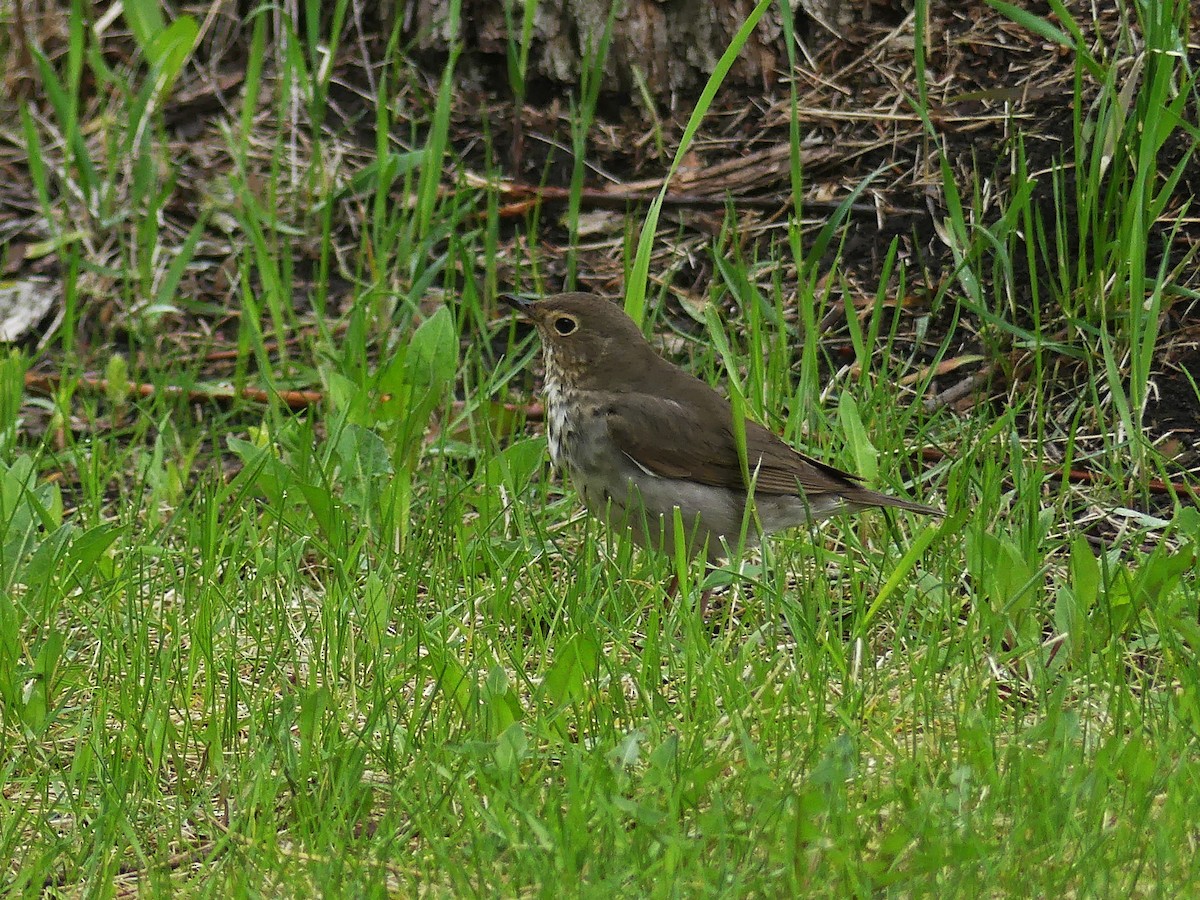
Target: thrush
pixel 640 437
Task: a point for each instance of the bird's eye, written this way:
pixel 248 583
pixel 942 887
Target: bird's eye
pixel 564 325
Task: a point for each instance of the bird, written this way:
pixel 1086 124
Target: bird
pixel 640 437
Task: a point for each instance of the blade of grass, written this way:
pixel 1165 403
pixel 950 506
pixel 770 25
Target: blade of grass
pixel 635 287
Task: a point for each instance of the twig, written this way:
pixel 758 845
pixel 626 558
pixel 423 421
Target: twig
pixel 48 384
pixel 1086 476
pixel 960 390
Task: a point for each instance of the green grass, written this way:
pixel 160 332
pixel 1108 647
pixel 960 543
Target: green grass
pixel 372 647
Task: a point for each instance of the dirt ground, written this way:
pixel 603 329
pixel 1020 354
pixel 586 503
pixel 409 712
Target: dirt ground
pixel 993 86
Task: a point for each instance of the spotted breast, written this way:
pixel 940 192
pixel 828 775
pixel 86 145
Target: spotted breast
pixel 560 430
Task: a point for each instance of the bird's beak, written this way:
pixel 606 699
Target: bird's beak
pixel 522 305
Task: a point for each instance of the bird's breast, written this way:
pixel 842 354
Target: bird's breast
pixel 560 428
pixel 577 434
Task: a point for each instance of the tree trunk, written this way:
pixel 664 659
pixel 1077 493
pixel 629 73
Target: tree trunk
pixel 671 45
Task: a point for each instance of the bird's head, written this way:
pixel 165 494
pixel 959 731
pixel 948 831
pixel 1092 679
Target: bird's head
pixel 588 341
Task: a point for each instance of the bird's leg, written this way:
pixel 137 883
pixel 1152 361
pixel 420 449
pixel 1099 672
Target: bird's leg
pixel 706 594
pixel 672 588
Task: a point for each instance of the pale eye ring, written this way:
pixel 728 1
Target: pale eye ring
pixel 564 325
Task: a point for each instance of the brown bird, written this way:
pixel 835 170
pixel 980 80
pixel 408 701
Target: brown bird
pixel 640 437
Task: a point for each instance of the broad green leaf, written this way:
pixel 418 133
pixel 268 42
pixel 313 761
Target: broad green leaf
pixel 378 610
pixel 575 662
pixel 866 457
pixel 170 50
pixel 145 21
pixel 432 357
pixel 512 746
pixel 1085 573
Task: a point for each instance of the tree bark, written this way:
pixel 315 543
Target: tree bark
pixel 671 45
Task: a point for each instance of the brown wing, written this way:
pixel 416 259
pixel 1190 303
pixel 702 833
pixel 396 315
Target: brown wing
pixel 695 441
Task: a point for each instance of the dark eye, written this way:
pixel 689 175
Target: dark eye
pixel 564 325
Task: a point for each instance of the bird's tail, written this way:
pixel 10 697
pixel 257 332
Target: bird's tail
pixel 865 498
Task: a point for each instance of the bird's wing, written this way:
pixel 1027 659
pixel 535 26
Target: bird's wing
pixel 670 439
